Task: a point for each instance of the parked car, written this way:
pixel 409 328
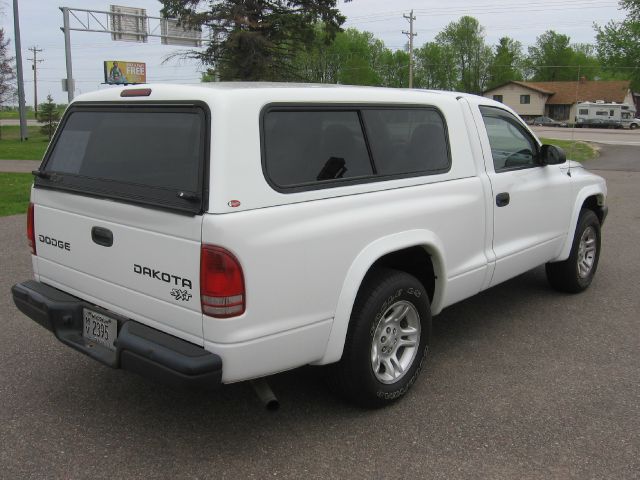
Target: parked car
pixel 204 235
pixel 547 122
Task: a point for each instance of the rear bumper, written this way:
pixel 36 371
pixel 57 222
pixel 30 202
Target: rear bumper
pixel 141 349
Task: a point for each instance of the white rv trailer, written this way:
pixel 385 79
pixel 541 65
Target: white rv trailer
pixel 606 115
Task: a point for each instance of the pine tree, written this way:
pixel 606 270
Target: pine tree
pixel 49 116
pixel 255 39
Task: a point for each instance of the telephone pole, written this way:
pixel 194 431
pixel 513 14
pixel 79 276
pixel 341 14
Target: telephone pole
pixel 410 34
pixel 16 41
pixel 34 67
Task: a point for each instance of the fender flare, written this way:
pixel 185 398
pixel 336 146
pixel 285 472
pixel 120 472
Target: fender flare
pixel 359 268
pixel 586 192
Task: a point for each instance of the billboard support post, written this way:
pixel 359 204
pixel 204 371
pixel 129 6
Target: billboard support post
pixel 123 25
pixel 67 52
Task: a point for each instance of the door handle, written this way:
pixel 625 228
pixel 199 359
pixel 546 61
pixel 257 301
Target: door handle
pixel 102 236
pixel 502 199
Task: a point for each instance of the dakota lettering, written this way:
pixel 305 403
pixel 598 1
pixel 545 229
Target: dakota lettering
pixel 162 276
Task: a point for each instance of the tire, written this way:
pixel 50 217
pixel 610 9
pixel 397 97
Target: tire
pixel 576 273
pixel 376 369
pixel 633 126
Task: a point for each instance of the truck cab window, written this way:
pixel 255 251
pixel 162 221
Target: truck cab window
pixel 511 146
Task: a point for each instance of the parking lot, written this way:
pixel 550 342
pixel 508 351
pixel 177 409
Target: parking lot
pixel 523 382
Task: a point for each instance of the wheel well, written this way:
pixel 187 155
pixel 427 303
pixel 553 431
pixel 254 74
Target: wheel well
pixel 593 203
pixel 415 261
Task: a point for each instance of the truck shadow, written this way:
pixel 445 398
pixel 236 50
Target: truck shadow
pixel 234 419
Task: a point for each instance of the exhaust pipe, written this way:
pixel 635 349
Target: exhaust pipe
pixel 265 394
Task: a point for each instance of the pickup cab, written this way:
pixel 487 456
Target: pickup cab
pixel 203 235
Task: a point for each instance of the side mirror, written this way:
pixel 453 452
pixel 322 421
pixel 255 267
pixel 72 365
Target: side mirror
pixel 551 155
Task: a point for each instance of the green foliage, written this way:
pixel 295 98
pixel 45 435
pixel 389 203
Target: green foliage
pixel 352 58
pixel 393 69
pixel 549 55
pixel 435 67
pixel 618 44
pixel 507 63
pixel 465 39
pixel 256 39
pixel 49 116
pixel 14 193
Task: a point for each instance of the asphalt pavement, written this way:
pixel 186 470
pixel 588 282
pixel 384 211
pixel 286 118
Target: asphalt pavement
pixel 522 383
pixel 603 136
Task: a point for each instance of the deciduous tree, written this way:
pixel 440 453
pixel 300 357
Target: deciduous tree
pixel 436 67
pixel 506 63
pixel 550 58
pixel 618 44
pixel 465 39
pixel 7 74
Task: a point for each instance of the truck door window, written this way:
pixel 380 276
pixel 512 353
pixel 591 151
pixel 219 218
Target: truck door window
pixel 512 147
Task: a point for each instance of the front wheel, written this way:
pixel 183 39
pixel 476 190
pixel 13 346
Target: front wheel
pixel 387 340
pixel 576 273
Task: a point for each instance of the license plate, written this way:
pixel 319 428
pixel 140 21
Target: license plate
pixel 100 328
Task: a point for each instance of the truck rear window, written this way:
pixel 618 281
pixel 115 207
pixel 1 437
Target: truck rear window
pixel 143 154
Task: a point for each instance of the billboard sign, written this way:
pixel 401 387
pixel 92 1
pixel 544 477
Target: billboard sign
pixel 128 24
pixel 117 72
pixel 175 34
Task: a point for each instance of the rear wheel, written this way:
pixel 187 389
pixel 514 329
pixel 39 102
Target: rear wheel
pixel 387 340
pixel 576 273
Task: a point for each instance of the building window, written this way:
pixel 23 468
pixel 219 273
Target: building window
pixel 525 99
pixel 498 98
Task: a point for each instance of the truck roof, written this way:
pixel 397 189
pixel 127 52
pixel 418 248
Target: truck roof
pixel 271 91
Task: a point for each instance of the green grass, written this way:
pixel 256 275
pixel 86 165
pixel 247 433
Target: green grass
pixel 14 193
pixel 13 115
pixel 575 150
pixel 11 148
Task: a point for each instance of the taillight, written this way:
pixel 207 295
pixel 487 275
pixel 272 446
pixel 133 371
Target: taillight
pixel 221 283
pixel 31 230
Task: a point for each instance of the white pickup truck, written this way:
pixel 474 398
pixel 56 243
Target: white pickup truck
pixel 203 235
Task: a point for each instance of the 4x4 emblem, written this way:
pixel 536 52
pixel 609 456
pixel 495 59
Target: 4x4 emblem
pixel 179 294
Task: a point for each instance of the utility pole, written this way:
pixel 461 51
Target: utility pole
pixel 34 67
pixel 16 29
pixel 410 34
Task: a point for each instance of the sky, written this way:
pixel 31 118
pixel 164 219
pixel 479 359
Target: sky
pixel 40 22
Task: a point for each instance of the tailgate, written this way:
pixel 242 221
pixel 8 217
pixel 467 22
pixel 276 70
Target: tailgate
pixel 118 212
pixel 149 273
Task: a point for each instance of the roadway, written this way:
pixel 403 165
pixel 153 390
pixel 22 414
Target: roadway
pixel 523 382
pixel 598 135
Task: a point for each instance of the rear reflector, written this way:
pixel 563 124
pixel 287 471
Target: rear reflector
pixel 31 230
pixel 222 292
pixel 136 92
